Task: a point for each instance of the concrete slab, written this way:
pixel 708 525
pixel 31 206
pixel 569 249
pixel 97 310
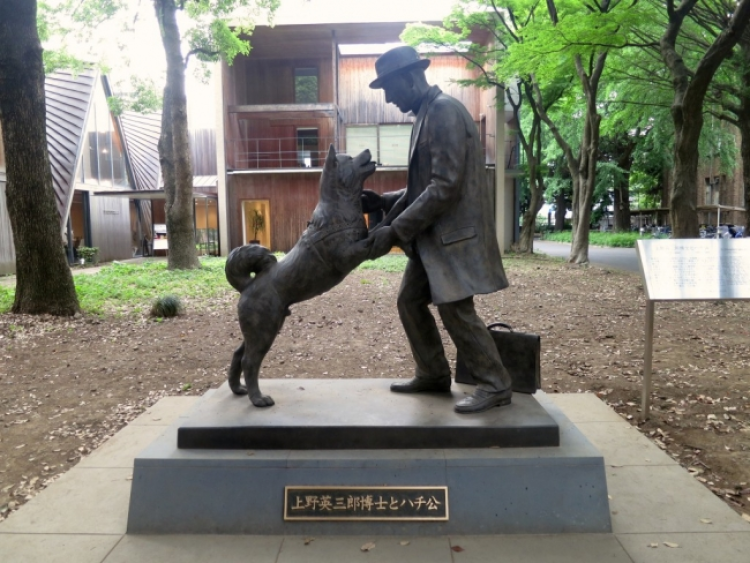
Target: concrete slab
pixel 56 548
pixel 622 444
pixel 328 414
pixel 82 501
pixel 167 410
pixel 349 549
pixel 582 407
pixel 196 549
pixel 665 499
pixel 707 547
pixel 121 448
pixel 568 548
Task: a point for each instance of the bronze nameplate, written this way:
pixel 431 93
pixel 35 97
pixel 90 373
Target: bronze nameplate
pixel 366 503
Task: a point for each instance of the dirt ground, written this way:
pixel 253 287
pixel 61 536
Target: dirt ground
pixel 67 385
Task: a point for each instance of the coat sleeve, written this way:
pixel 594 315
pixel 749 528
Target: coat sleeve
pixel 444 138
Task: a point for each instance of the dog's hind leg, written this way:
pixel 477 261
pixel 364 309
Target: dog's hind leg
pixel 259 328
pixel 234 377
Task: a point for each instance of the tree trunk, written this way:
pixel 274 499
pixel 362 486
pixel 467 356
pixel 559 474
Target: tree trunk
pixel 624 147
pixel 690 88
pixel 621 207
pixel 44 284
pixel 532 147
pixel 744 127
pixel 683 200
pixel 174 148
pixel 526 239
pixel 584 181
pixel 560 209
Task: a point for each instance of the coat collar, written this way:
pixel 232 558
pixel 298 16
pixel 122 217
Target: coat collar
pixel 429 97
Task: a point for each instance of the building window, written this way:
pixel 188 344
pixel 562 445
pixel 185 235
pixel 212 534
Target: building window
pixel 307 147
pixel 305 85
pixel 102 156
pixel 389 144
pixel 256 221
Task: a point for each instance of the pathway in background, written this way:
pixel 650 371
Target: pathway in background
pixel 619 258
pixel 11 280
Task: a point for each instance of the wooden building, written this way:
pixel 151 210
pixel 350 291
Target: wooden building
pixel 86 154
pixel 304 87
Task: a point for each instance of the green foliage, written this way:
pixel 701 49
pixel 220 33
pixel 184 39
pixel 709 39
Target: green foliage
pixel 167 306
pixel 387 263
pixel 7 294
pixel 88 253
pixel 257 223
pixel 618 240
pixel 142 97
pixel 129 289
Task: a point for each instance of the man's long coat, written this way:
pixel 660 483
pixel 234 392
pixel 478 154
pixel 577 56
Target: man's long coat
pixel 448 214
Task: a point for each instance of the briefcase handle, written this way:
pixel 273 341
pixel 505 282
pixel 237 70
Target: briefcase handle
pixel 503 325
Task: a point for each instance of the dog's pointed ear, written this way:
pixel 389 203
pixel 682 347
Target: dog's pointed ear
pixel 331 161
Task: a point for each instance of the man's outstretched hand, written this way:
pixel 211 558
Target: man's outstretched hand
pixel 371 201
pixel 381 241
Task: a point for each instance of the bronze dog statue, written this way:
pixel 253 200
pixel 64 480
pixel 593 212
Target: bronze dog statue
pixel 334 243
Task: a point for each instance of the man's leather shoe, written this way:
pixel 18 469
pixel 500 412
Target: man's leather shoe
pixel 482 400
pixel 422 385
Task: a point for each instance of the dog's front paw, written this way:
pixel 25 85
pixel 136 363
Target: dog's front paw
pixel 238 389
pixel 261 400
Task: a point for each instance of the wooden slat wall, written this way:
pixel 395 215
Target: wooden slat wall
pixel 7 250
pixel 263 81
pixel 203 147
pixel 292 199
pixel 110 227
pixel 362 105
pixel 488 101
pixel 67 99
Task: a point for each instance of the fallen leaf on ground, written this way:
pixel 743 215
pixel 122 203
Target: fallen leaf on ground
pixel 671 544
pixel 706 521
pixel 457 548
pixel 308 541
pixel 653 544
pixel 369 546
pixel 404 542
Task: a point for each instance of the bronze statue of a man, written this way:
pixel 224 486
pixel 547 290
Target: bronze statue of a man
pixel 444 222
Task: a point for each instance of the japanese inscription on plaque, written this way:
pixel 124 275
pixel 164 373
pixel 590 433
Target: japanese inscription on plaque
pixel 695 268
pixel 366 503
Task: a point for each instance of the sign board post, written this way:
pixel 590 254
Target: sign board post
pixel 689 270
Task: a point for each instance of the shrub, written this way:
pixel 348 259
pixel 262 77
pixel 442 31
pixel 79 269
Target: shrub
pixel 167 306
pixel 90 254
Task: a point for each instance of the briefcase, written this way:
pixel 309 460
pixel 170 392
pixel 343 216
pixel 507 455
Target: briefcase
pixel 520 354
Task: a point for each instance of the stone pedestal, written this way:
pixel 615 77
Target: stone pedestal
pixel 491 489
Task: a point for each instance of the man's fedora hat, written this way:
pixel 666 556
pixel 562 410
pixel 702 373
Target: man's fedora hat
pixel 396 60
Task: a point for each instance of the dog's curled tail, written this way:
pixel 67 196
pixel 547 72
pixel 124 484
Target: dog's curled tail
pixel 245 261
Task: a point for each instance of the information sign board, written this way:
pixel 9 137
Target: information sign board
pixel 701 269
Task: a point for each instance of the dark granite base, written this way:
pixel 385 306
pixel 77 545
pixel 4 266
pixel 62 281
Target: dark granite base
pixel 351 414
pixel 490 490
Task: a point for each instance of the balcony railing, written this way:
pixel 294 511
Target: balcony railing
pixel 301 152
pixel 285 152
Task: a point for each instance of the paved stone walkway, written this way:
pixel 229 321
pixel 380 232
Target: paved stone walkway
pixel 660 514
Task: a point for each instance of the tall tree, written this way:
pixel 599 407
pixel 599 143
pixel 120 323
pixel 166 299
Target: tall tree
pixel 690 88
pixel 174 145
pixel 43 280
pixel 212 29
pixel 504 28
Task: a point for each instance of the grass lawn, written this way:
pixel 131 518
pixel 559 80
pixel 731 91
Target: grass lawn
pixel 618 240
